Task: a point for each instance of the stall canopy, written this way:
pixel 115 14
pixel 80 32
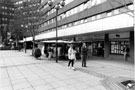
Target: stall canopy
pixel 59 41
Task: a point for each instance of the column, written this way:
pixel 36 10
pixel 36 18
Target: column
pixel 132 45
pixel 106 46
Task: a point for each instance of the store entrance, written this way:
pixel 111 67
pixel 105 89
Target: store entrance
pixel 98 48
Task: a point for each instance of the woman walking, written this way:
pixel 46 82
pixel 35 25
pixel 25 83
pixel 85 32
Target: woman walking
pixel 71 56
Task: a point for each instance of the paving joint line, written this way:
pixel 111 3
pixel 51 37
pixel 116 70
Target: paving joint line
pixel 26 80
pixel 89 72
pixel 21 65
pixel 9 79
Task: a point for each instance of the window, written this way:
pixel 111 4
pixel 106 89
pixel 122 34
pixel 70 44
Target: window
pixel 116 11
pixel 75 10
pixel 67 13
pixel 123 9
pixel 68 1
pixel 82 21
pixel 102 1
pixel 85 5
pixel 98 1
pixel 89 4
pixel 131 7
pixel 117 46
pixel 2 7
pixel 89 19
pixel 109 13
pixel 5 7
pixel 85 20
pixel 93 2
pixel 103 15
pixel 98 16
pixel 93 17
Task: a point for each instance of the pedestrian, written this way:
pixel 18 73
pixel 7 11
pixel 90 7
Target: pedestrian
pixel 125 52
pixel 50 52
pixel 71 56
pixel 42 50
pixel 84 52
pixel 37 52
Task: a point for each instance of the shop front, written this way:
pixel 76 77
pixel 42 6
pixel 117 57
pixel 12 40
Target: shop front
pixel 98 48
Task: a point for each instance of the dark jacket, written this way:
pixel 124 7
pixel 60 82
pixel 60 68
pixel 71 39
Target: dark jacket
pixel 125 49
pixel 37 52
pixel 84 51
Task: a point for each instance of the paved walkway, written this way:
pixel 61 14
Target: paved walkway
pixel 20 71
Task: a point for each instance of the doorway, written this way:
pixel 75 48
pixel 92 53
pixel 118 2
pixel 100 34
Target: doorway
pixel 98 48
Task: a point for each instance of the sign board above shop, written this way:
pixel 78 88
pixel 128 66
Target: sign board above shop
pixel 119 35
pixel 89 37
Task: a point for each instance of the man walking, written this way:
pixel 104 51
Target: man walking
pixel 84 52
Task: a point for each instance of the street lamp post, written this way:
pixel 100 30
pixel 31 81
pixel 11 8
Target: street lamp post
pixel 57 7
pixel 25 42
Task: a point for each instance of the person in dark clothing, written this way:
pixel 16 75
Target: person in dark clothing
pixel 84 52
pixel 37 53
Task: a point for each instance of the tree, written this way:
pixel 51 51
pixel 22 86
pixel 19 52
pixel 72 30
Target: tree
pixel 31 18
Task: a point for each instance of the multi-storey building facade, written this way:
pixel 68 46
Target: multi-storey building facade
pixel 107 25
pixel 27 13
pixel 6 17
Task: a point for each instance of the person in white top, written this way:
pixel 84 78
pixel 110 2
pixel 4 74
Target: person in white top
pixel 71 56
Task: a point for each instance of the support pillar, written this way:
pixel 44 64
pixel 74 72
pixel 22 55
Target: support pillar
pixel 106 46
pixel 132 45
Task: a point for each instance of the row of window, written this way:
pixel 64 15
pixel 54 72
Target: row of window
pixel 6 19
pixel 46 5
pixel 85 20
pixel 73 11
pixel 54 10
pixel 10 8
pixel 6 13
pixel 33 5
pixel 3 24
pixel 19 2
pixel 79 8
pixel 21 7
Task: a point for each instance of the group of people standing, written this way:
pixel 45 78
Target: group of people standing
pixel 72 55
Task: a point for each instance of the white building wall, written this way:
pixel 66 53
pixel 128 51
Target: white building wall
pixel 114 22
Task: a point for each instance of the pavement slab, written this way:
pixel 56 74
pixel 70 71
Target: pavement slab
pixel 21 71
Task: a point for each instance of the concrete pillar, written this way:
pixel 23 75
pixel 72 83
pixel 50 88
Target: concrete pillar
pixel 106 46
pixel 132 45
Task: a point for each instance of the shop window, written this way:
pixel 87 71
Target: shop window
pixel 117 46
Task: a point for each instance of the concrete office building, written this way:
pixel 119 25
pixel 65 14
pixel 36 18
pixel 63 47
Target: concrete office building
pixel 105 24
pixel 6 17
